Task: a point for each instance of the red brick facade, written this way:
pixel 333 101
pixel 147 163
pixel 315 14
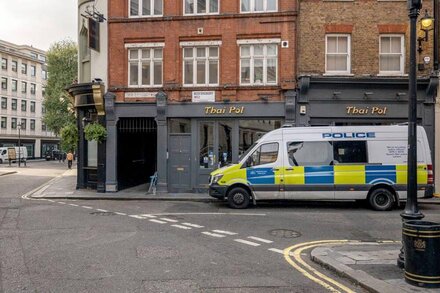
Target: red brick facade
pixel 228 26
pixel 364 21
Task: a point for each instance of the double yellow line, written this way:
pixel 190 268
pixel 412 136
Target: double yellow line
pixel 299 264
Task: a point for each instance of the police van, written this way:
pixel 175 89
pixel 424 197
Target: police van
pixel 366 163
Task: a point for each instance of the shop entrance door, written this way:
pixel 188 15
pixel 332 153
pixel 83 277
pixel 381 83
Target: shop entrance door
pixel 179 176
pixel 217 146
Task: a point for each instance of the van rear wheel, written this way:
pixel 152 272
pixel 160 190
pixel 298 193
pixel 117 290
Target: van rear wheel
pixel 238 198
pixel 381 199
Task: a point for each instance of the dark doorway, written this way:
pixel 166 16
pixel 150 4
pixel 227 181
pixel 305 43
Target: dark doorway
pixel 137 148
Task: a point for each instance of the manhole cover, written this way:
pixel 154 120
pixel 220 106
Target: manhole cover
pixel 103 213
pixel 284 233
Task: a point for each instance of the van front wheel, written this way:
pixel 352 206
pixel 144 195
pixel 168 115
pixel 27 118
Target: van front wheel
pixel 381 199
pixel 238 198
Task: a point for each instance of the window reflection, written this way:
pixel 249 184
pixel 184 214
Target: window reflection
pixel 225 143
pixel 252 130
pixel 206 150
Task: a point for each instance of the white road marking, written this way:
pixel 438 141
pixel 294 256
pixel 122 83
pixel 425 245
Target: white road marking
pixel 277 250
pixel 182 227
pixel 51 200
pixel 260 239
pixel 73 205
pixel 121 214
pixel 137 217
pixel 224 232
pixel 157 221
pixel 247 242
pixel 87 207
pixel 169 220
pixel 101 210
pixel 213 234
pixel 148 216
pixel 192 225
pixel 61 202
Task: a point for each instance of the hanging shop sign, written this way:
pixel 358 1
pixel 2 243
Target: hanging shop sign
pixel 370 110
pixel 229 110
pixel 203 96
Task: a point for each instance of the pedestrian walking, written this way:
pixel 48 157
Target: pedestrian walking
pixel 69 159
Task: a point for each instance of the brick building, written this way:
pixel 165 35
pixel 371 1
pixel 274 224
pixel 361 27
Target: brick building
pixel 353 64
pixel 195 83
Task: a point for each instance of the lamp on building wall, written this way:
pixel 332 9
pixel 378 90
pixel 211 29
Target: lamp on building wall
pixel 426 24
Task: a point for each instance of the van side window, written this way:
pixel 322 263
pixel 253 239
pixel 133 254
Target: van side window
pixel 309 153
pixel 350 151
pixel 265 154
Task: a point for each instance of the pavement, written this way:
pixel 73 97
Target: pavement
pixel 371 265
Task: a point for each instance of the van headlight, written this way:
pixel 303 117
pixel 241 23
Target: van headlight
pixel 216 178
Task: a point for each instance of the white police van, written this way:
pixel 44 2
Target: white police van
pixel 326 163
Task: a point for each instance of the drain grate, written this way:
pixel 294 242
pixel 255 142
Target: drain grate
pixel 284 233
pixel 103 213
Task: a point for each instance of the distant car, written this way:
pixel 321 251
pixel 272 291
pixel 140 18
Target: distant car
pixel 53 155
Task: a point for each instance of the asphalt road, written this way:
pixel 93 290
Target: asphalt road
pixel 160 246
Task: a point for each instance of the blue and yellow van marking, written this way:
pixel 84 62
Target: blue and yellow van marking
pixel 338 175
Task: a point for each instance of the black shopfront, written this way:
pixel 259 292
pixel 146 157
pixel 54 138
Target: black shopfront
pixel 364 101
pixel 186 141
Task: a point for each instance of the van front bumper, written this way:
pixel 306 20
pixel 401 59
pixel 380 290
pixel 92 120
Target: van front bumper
pixel 217 191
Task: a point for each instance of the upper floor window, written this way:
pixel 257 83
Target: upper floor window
pixel 44 74
pixel 33 70
pixel 23 124
pixel 23 68
pixel 201 6
pixel 391 54
pixel 23 87
pixel 145 67
pixel 259 5
pixel 14 66
pixel 14 85
pixel 337 54
pixel 139 8
pixel 32 106
pixel 258 64
pixel 4 122
pixel 200 66
pixel 33 88
pixel 4 83
pixel 32 125
pixel 14 123
pixel 14 104
pixel 23 105
pixel 4 63
pixel 4 103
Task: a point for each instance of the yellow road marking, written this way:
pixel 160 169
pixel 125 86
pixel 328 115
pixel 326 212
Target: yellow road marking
pixel 323 280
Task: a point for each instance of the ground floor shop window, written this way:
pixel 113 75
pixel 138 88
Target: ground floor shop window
pixel 252 130
pixel 206 147
pixel 92 154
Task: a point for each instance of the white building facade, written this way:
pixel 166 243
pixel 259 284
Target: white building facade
pixel 23 76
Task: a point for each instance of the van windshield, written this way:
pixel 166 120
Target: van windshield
pixel 247 151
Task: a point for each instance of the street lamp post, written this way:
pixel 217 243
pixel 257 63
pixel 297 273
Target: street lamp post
pixel 411 211
pixel 19 143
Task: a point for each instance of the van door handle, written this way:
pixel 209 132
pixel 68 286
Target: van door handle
pixel 289 169
pixel 276 169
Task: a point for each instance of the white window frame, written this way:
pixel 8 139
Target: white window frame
pixel 140 15
pixel 140 61
pixel 194 60
pixel 402 54
pixel 252 7
pixel 252 59
pixel 208 2
pixel 339 72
